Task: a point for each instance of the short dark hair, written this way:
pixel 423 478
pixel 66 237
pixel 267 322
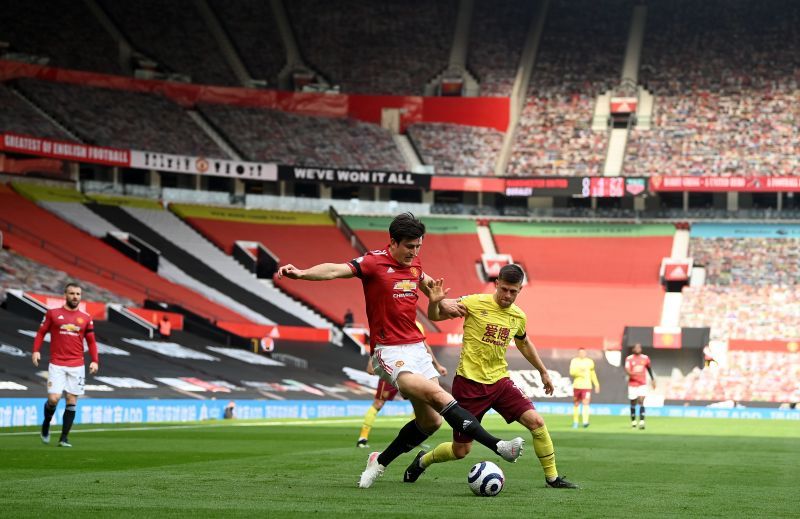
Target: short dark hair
pixel 71 284
pixel 511 273
pixel 406 226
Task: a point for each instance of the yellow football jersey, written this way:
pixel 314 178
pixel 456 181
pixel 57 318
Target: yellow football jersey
pixel 488 328
pixel 582 372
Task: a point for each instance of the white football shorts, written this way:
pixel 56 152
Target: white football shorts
pixel 390 361
pixel 635 392
pixel 65 378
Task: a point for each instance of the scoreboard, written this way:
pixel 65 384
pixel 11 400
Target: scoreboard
pixel 576 187
pixel 602 187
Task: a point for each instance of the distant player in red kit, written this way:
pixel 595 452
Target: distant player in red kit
pixel 67 327
pixel 392 278
pixel 637 366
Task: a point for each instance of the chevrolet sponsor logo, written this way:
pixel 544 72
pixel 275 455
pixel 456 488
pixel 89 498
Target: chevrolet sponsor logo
pixel 406 285
pixel 70 327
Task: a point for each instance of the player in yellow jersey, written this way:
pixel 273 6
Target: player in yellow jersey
pixel 581 369
pixel 482 380
pixel 386 392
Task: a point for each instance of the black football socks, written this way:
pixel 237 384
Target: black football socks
pixel 463 421
pixel 409 437
pixel 69 417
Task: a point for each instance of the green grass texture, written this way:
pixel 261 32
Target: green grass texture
pixel 678 467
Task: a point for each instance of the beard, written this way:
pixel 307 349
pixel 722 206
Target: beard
pixel 71 305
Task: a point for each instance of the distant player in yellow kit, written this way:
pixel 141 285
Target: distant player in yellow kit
pixel 581 369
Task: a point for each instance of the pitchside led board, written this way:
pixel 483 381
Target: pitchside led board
pixel 576 187
pixel 680 348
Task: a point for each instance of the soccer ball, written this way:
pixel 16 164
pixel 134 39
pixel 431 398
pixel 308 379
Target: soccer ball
pixel 486 479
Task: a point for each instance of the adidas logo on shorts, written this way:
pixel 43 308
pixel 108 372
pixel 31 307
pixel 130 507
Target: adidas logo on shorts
pixel 466 424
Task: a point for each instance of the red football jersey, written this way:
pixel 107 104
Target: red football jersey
pixel 391 294
pixel 67 330
pixel 637 365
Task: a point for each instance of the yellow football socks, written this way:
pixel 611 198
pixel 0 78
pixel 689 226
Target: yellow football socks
pixel 369 419
pixel 585 414
pixel 543 446
pixel 443 452
pixel 575 413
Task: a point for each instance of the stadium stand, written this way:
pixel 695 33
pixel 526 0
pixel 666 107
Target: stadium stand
pixel 188 365
pixel 400 45
pixel 79 215
pixel 457 150
pixel 587 280
pixel 33 232
pixel 742 376
pixel 451 249
pixel 718 110
pixel 196 256
pixel 285 138
pixel 64 32
pixel 579 57
pixel 288 236
pixel 496 40
pixel 252 29
pixel 751 289
pixel 121 119
pixel 18 116
pixel 173 34
pixel 21 273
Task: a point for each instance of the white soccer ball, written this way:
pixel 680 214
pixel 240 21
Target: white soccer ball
pixel 486 479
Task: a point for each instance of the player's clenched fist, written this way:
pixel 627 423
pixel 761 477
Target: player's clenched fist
pixel 290 271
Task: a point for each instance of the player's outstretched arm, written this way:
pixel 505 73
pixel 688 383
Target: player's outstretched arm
pixel 528 350
pixel 439 308
pixel 321 272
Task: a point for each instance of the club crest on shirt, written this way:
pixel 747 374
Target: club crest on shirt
pixel 414 272
pixel 80 320
pixel 399 364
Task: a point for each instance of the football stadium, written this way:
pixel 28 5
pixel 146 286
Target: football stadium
pixel 400 258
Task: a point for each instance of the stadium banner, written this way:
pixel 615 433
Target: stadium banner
pixel 353 176
pixel 93 308
pixel 22 412
pixel 150 160
pixel 581 230
pixel 433 225
pixel 259 216
pixel 58 149
pixel 756 184
pixel 576 187
pixel 623 105
pixel 488 112
pixel 471 184
pixel 289 333
pixel 744 230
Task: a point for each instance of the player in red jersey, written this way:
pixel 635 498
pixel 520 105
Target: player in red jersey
pixel 637 366
pixel 392 279
pixel 385 392
pixel 67 327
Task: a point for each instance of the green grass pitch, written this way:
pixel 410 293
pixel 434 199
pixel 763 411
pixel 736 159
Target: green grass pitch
pixel 676 468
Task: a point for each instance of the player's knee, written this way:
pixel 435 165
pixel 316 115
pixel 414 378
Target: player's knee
pixel 535 422
pixel 378 404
